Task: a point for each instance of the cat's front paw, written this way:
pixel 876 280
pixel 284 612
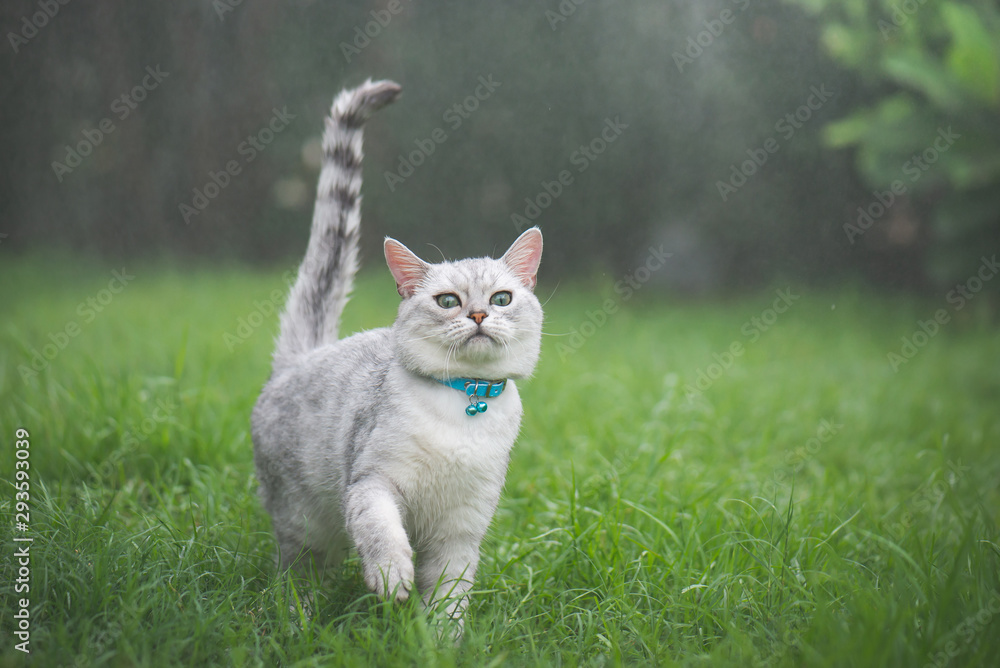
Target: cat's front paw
pixel 391 578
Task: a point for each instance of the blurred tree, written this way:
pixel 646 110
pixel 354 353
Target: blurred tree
pixel 694 90
pixel 929 144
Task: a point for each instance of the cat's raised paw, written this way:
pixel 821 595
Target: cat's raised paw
pixel 391 579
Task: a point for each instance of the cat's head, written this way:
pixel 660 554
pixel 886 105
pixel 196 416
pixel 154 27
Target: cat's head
pixel 475 318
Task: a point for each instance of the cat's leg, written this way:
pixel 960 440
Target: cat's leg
pixel 446 569
pixel 308 556
pixel 309 545
pixel 293 553
pixel 375 524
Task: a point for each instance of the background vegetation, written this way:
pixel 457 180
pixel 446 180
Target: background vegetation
pixel 701 86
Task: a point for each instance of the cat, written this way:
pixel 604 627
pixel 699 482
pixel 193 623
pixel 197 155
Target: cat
pixel 396 440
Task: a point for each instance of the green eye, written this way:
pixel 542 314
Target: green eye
pixel 500 298
pixel 448 301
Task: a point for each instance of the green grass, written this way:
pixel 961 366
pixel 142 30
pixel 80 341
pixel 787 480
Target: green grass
pixel 810 507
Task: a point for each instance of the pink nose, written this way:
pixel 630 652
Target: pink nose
pixel 478 316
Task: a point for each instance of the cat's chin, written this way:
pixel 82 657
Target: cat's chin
pixel 477 354
pixel 478 357
pixel 481 350
pixel 480 342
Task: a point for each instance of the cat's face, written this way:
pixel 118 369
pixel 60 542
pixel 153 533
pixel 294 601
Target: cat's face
pixel 473 318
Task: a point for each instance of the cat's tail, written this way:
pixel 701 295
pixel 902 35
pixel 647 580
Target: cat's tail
pixel 326 275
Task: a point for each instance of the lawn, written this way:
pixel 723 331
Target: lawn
pixel 696 483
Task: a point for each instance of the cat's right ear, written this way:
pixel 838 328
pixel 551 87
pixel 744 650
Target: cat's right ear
pixel 524 255
pixel 406 268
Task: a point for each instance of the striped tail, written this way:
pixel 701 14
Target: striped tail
pixel 312 313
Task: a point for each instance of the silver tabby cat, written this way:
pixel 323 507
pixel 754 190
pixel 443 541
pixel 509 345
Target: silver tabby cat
pixel 374 441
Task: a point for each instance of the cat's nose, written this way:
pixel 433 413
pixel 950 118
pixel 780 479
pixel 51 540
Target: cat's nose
pixel 478 316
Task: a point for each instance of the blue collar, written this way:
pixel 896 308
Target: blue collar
pixel 476 387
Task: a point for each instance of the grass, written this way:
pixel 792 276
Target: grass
pixel 809 507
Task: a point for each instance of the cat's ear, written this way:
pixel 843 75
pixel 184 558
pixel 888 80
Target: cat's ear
pixel 524 255
pixel 406 268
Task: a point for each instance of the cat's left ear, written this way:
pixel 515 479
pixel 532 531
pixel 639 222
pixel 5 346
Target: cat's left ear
pixel 406 268
pixel 524 255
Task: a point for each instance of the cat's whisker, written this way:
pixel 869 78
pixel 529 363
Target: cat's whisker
pixel 420 338
pixel 451 350
pixel 553 294
pixel 443 258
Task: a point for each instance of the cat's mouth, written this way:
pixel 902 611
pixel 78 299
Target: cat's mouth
pixel 479 337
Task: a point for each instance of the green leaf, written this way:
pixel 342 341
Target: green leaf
pixel 871 125
pixel 848 131
pixel 973 169
pixel 924 73
pixel 850 47
pixel 972 58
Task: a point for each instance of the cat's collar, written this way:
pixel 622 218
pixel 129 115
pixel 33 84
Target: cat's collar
pixel 476 387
